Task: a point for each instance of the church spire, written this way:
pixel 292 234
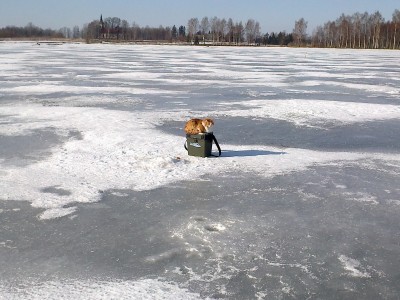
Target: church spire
pixel 101 21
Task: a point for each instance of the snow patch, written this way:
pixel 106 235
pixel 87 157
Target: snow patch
pixel 55 213
pixel 123 150
pixel 151 289
pixel 362 198
pixel 310 112
pixel 353 267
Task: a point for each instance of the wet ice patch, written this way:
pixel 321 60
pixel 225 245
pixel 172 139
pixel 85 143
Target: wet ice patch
pixel 56 190
pixel 353 267
pixel 199 234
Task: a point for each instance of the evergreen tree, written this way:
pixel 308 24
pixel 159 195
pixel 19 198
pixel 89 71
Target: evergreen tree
pixel 182 31
pixel 174 32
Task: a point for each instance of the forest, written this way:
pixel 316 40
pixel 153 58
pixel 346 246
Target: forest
pixel 365 31
pixel 360 30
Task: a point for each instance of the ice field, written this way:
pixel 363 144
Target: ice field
pixel 99 199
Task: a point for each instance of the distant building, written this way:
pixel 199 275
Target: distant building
pixel 107 31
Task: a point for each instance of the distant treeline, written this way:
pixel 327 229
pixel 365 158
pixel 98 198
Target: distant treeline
pixel 29 31
pixel 214 31
pixel 360 30
pixel 366 31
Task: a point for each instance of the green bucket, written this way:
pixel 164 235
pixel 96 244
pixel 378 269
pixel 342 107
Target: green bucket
pixel 201 144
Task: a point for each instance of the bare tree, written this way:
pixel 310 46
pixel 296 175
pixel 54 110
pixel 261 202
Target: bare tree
pixel 116 22
pixel 125 29
pixel 66 32
pixel 300 31
pixel 135 31
pixel 229 27
pixel 257 30
pixel 360 31
pixel 396 21
pixel 343 25
pixel 91 31
pixel 238 32
pixel 76 32
pixel 318 37
pixel 214 28
pixel 356 19
pixel 376 22
pixel 193 27
pixel 222 29
pixel 365 29
pixel 204 27
pixel 252 30
pixel 168 33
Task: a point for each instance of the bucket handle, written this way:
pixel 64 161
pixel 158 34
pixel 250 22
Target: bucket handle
pixel 216 143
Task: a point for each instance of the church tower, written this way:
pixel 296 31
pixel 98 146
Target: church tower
pixel 102 27
pixel 101 21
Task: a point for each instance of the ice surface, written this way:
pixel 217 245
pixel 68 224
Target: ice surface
pixel 91 137
pixel 92 290
pixel 123 150
pixel 309 112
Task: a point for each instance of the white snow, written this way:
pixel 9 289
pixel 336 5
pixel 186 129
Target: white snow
pixel 47 88
pixel 309 112
pixel 151 289
pixel 54 213
pixel 124 150
pixel 353 267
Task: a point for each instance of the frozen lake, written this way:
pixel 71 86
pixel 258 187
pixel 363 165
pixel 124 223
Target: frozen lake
pixel 99 200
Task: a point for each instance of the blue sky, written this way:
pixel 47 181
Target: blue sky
pixel 273 15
